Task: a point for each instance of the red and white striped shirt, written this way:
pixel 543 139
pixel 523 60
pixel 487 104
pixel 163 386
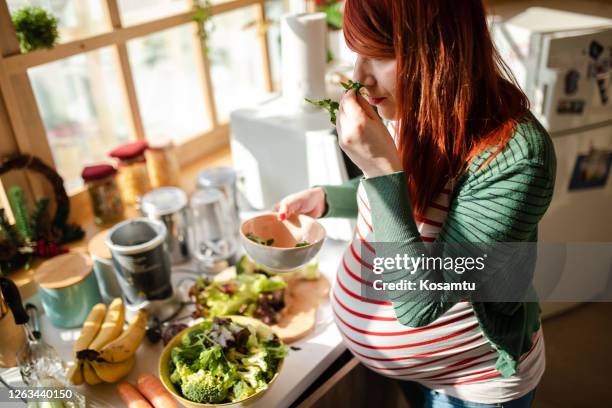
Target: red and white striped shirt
pixel 450 355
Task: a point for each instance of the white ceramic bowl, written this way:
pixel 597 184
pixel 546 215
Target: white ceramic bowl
pixel 282 255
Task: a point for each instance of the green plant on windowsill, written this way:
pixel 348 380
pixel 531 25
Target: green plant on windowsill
pixel 36 28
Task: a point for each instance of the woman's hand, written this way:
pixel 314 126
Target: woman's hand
pixel 309 202
pixel 364 138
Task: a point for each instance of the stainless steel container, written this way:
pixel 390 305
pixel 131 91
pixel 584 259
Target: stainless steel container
pixel 215 243
pixel 169 205
pixel 223 179
pixel 140 260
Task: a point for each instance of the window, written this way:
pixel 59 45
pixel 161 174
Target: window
pixel 82 108
pixel 129 69
pixel 168 84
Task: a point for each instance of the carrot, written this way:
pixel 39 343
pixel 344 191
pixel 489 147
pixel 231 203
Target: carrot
pixel 153 389
pixel 131 396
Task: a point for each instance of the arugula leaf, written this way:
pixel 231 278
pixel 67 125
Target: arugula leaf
pixel 259 240
pixel 329 105
pixel 333 106
pixel 352 85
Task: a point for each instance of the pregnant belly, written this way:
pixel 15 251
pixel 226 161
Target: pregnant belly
pixel 449 348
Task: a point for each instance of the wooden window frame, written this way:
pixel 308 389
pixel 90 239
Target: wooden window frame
pixel 21 126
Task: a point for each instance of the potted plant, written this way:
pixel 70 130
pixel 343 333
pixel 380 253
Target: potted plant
pixel 35 27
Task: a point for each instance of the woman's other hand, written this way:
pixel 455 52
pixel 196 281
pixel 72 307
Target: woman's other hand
pixel 364 138
pixel 309 202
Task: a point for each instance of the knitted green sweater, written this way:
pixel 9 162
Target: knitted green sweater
pixel 501 202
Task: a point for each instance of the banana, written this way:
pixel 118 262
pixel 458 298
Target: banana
pixel 125 345
pixel 89 375
pixel 113 372
pixel 90 327
pixel 112 326
pixel 75 374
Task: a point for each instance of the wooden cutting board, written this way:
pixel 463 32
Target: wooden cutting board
pixel 302 299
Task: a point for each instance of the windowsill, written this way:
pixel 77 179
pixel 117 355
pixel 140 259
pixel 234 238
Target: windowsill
pixel 82 215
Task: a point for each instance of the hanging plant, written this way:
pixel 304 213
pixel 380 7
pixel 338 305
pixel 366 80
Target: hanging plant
pixel 36 28
pixel 202 15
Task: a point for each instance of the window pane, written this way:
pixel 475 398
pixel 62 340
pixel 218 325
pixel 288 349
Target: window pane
pixel 83 109
pixel 140 11
pixel 169 83
pixel 236 61
pixel 274 10
pixel 77 18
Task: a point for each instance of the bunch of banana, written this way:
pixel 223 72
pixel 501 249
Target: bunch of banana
pixel 104 352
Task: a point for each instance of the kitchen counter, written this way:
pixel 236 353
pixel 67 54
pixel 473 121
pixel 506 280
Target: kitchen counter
pixel 306 361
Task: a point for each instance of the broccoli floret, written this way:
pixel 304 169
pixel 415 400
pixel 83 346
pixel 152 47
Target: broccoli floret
pixel 242 390
pixel 204 387
pixel 180 371
pixel 254 377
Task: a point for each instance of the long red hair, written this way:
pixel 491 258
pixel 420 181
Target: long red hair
pixel 455 97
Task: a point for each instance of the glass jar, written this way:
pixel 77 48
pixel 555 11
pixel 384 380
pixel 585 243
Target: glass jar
pixel 103 192
pixel 132 177
pixel 162 164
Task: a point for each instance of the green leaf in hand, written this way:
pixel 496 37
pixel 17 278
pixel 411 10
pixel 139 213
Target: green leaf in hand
pixel 333 106
pixel 328 105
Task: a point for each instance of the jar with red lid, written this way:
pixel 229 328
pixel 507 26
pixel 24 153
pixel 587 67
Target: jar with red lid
pixel 132 177
pixel 162 163
pixel 101 184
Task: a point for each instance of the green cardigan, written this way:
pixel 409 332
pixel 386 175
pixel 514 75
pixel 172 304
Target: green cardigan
pixel 501 202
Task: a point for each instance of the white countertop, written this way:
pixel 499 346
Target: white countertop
pixel 301 368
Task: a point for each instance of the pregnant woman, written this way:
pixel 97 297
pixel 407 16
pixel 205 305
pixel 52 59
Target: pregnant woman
pixel 456 157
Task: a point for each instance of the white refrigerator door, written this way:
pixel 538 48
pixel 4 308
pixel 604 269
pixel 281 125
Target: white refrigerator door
pixel 573 86
pixel 578 215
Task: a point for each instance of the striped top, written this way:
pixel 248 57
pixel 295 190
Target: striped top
pixel 494 201
pixel 450 355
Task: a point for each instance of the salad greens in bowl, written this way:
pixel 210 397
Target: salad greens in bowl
pixel 253 290
pixel 229 362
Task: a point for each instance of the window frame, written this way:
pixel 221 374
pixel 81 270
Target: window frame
pixel 23 129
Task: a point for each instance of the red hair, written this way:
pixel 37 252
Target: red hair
pixel 455 97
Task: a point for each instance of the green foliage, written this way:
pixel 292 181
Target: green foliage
pixel 9 233
pixel 333 15
pixel 217 363
pixel 333 106
pixel 19 206
pixel 329 105
pixel 38 219
pixel 35 27
pixel 352 85
pixel 202 16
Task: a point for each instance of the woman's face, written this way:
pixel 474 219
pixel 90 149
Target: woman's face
pixel 378 78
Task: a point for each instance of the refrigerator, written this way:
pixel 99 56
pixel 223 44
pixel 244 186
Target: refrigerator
pixel 563 61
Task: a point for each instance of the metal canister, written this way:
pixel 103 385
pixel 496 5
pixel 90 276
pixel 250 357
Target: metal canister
pixel 141 260
pixel 170 206
pixel 103 267
pixel 223 179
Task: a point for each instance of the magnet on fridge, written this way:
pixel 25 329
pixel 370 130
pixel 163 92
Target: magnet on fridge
pixel 595 49
pixel 591 170
pixel 570 106
pixel 571 82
